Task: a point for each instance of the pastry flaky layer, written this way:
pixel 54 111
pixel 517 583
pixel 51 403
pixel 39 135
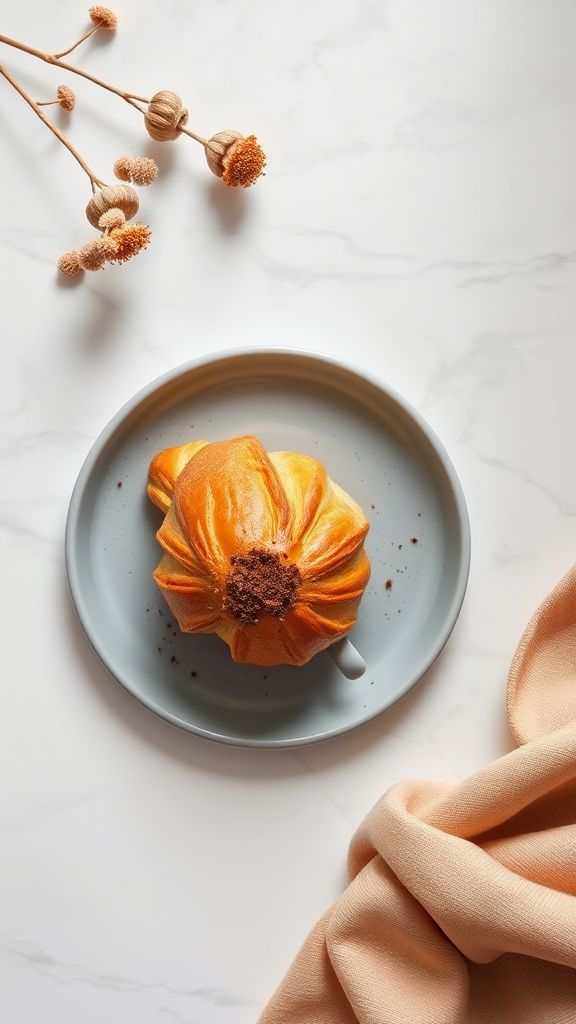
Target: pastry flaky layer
pixel 261 548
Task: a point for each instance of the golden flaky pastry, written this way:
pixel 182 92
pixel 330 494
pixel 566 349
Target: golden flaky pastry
pixel 261 548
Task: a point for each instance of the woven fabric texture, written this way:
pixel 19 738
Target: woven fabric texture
pixel 461 899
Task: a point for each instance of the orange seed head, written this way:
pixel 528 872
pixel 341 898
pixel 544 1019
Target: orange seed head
pixel 130 240
pixel 103 17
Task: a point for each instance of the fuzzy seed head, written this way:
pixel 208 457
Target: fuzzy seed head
pixel 130 240
pixel 113 218
pixel 244 163
pixel 122 168
pixel 66 98
pixel 90 255
pixel 103 17
pixel 235 159
pixel 68 264
pixel 142 170
pixel 107 246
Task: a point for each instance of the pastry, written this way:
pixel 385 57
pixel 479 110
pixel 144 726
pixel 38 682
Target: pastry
pixel 261 548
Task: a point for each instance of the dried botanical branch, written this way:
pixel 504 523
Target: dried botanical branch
pixel 197 138
pixel 165 120
pixel 101 17
pixel 119 241
pixel 50 58
pixel 90 32
pixel 238 160
pixel 94 181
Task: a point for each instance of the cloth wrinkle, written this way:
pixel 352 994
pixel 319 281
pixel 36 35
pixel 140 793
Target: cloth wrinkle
pixel 460 906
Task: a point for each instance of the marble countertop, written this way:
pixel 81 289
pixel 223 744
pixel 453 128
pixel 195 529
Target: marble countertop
pixel 418 217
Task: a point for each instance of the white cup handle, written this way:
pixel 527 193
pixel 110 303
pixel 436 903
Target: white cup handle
pixel 347 659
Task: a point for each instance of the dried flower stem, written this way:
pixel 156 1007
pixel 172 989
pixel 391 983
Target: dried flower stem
pixel 94 181
pixel 54 59
pixel 86 35
pixel 197 138
pixel 132 98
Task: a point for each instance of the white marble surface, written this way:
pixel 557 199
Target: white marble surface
pixel 418 217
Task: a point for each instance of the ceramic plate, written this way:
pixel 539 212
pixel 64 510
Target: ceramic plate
pixel 373 444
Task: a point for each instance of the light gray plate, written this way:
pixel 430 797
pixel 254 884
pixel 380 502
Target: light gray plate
pixel 372 443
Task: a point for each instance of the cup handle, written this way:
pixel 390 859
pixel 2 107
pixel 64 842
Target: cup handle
pixel 347 659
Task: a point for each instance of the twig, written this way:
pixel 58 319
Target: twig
pixel 197 138
pixel 86 35
pixel 94 181
pixel 54 59
pixel 238 160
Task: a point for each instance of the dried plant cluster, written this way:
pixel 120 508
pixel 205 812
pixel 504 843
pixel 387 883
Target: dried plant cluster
pixel 237 159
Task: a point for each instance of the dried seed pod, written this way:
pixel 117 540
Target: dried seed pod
pixel 68 264
pixel 217 148
pixel 235 159
pixel 121 196
pixel 165 116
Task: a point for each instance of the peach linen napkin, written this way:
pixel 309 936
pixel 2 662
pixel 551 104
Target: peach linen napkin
pixel 460 907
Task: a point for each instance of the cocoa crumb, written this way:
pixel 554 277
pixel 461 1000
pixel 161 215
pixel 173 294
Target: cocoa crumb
pixel 399 547
pixel 372 506
pixel 414 540
pixel 193 673
pixel 173 658
pixel 389 584
pixel 168 625
pixel 260 584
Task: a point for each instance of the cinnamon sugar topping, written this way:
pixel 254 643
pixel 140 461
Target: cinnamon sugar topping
pixel 259 584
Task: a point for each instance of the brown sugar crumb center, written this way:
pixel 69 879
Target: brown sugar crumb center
pixel 260 583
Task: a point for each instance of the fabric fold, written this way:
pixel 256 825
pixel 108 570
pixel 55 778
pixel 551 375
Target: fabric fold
pixel 461 900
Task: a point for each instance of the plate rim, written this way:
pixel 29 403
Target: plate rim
pixel 226 355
